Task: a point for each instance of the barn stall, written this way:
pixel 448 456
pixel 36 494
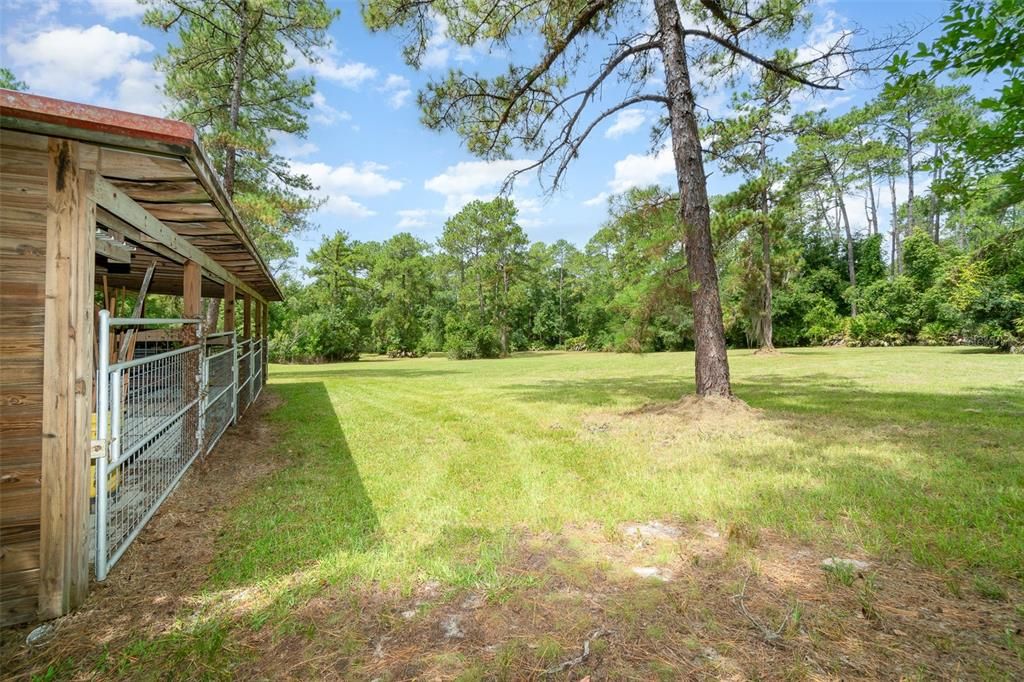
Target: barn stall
pixel 103 409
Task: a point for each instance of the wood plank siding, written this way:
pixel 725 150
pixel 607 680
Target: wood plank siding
pixel 23 203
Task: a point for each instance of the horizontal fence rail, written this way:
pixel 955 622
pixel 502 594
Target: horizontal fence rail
pixel 155 415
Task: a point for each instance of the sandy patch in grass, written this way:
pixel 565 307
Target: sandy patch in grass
pixel 661 426
pixel 732 603
pixel 714 603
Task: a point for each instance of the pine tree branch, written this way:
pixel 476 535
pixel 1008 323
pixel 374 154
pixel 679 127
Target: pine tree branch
pixel 790 73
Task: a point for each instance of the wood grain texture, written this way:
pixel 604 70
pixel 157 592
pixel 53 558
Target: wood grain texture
pixel 23 196
pixel 67 382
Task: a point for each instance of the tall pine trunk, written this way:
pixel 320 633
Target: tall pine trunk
pixel 765 322
pixel 231 153
pixel 872 204
pixel 851 269
pixel 764 327
pixel 910 175
pixel 897 256
pixel 936 178
pixel 712 363
pixel 235 104
pixel 503 323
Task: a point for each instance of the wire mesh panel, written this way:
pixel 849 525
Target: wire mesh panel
pixel 219 405
pixel 156 414
pixel 155 407
pixel 244 369
pixel 257 365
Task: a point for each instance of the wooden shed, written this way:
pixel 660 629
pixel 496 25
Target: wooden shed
pixel 101 415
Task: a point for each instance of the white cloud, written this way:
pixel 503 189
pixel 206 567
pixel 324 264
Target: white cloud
pixel 397 99
pixel 75 63
pixel 639 171
pixel 625 122
pixel 598 199
pixel 398 87
pixel 438 47
pixel 527 204
pixel 349 74
pixel 366 180
pixel 324 113
pixel 338 184
pixel 395 82
pixel 343 205
pixel 822 37
pixel 469 176
pixel 471 180
pixel 118 9
pixel 412 218
pixel 141 89
pixel 43 8
pixel 293 146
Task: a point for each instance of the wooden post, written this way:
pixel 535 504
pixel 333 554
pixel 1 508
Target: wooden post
pixel 67 382
pixel 266 334
pixel 192 287
pixel 247 317
pixel 229 307
pixel 258 322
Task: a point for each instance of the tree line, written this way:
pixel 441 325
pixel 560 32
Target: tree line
pixel 483 290
pixel 778 261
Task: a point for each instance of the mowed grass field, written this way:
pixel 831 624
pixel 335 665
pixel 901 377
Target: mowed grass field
pixel 432 519
pixel 405 467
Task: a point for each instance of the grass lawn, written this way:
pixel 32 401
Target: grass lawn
pixel 406 467
pixel 412 486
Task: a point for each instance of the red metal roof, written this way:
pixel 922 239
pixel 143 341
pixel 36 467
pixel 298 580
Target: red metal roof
pixel 89 117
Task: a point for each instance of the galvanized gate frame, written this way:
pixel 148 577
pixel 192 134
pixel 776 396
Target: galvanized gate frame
pixel 140 418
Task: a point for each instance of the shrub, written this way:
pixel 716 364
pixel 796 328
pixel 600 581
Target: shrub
pixel 872 329
pixel 937 334
pixel 823 322
pixel 895 300
pixel 576 343
pixel 465 343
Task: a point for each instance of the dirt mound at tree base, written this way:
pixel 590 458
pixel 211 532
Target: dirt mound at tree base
pixel 698 408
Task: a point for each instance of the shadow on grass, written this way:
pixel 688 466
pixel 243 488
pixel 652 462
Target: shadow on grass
pixel 303 512
pixel 939 475
pixel 385 371
pixel 976 350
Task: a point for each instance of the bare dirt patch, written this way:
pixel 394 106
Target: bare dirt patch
pixel 719 604
pixel 696 408
pixel 163 569
pixel 663 425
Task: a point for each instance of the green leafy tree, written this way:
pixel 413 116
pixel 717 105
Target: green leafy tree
pixel 400 280
pixel 543 108
pixel 487 250
pixel 229 72
pixel 746 143
pixel 980 38
pixel 824 158
pixel 9 81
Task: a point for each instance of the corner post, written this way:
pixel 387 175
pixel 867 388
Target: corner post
pixel 192 287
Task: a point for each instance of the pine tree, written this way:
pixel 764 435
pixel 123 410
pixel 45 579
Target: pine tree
pixel 543 108
pixel 229 74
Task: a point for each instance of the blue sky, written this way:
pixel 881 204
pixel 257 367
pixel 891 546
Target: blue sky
pixel 379 169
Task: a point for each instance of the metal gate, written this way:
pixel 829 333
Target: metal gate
pixel 155 414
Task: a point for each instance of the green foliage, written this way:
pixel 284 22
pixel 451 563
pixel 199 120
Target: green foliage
pixel 922 258
pixel 983 38
pixel 9 81
pixel 230 73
